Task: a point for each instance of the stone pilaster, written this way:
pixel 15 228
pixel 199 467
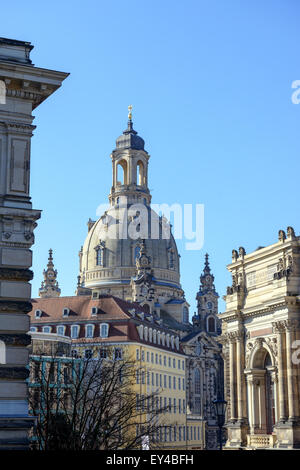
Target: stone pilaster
pixel 279 329
pixel 25 88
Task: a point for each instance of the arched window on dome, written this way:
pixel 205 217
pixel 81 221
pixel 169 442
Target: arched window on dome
pixel 121 173
pixel 211 325
pixel 140 173
pixel 171 258
pixel 100 251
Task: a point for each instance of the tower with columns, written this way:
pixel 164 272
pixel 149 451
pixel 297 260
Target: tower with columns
pixel 261 337
pixel 49 287
pixel 206 318
pixel 23 87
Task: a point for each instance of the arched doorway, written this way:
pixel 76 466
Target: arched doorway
pixel 262 393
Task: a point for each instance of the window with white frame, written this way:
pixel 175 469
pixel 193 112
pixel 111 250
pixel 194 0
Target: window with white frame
pixel 94 311
pixel 46 329
pixel 38 313
pixel 104 330
pixel 89 331
pixel 61 330
pixel 74 331
pixel 33 328
pixel 66 312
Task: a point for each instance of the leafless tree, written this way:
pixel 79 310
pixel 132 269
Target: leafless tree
pixel 91 404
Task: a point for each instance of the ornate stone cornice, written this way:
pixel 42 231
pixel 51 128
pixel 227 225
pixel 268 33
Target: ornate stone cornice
pixel 256 313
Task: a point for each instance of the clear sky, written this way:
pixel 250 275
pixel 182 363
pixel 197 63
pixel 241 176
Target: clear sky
pixel 210 82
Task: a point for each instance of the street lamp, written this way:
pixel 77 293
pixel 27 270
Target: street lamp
pixel 220 409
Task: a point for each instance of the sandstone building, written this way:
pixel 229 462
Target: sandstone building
pixel 23 87
pixel 142 276
pixel 260 336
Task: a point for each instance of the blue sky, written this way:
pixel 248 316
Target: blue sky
pixel 210 82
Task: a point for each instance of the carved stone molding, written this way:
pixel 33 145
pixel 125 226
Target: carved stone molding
pixel 16 274
pixel 291 324
pixel 15 306
pixel 16 339
pixel 19 373
pixel 278 327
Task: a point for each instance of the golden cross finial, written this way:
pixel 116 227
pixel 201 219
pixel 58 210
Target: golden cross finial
pixel 130 112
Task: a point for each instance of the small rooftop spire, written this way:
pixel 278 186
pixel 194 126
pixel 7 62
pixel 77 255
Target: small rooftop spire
pixel 49 287
pixel 130 112
pixel 206 266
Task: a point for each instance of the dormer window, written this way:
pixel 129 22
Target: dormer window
pixel 94 311
pixel 38 313
pixel 66 312
pixel 33 328
pixel 104 330
pixel 46 329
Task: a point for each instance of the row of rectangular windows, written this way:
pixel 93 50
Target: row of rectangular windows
pixel 158 359
pixel 89 330
pixel 173 433
pixel 159 381
pixel 160 404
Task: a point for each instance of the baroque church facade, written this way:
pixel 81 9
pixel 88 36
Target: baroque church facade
pixel 145 270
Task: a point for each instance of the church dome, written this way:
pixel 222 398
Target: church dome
pixel 108 261
pixel 129 139
pixel 130 251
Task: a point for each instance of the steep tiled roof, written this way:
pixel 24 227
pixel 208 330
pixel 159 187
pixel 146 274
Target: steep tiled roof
pixel 112 308
pixel 122 317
